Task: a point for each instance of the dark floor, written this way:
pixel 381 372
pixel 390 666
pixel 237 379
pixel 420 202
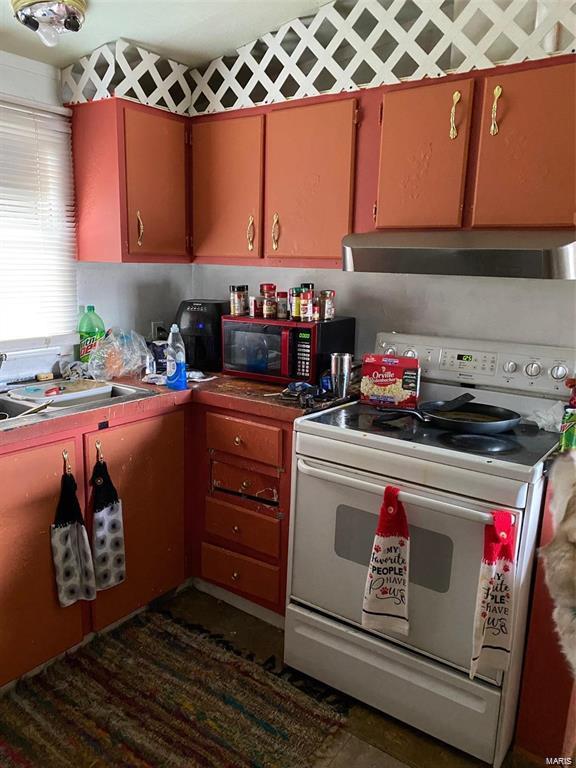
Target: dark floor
pixel 370 740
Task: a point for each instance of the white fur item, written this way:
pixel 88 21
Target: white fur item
pixel 559 556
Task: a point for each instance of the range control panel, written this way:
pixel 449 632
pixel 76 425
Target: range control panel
pixel 502 365
pixel 303 353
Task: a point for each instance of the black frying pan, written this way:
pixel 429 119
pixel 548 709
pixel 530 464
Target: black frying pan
pixel 472 418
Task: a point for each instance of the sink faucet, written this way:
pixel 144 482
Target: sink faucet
pixel 3 358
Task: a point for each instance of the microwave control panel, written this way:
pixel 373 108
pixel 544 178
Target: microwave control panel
pixel 303 353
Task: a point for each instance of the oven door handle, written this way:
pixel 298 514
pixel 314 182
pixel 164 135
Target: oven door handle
pixel 445 508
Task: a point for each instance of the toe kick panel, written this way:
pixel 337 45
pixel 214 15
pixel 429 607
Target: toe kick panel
pixel 395 681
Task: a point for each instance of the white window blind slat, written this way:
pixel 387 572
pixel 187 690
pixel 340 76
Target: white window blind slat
pixel 37 229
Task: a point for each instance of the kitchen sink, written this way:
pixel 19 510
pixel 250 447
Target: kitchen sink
pixel 119 393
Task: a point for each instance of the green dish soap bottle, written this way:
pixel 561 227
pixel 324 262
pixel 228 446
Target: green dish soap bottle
pixel 91 329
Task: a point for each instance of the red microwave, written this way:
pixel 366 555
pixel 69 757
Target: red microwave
pixel 283 350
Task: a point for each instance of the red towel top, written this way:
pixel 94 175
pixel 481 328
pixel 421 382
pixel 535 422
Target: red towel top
pixel 392 520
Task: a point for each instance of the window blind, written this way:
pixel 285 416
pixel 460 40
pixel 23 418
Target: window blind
pixel 37 231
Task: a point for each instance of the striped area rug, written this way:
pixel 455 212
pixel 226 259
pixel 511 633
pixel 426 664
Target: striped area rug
pixel 156 693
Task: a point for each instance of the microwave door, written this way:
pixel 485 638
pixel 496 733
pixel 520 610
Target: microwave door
pixel 257 349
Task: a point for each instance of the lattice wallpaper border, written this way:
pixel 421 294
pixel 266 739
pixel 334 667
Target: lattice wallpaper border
pixel 347 44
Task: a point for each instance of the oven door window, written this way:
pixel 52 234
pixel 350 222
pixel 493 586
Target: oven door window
pixel 253 349
pixel 430 552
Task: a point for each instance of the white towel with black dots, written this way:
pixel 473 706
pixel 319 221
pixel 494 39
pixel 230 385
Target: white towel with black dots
pixel 108 530
pixel 73 566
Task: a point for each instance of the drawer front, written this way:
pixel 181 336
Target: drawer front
pixel 246 439
pixel 241 526
pixel 241 573
pixel 226 477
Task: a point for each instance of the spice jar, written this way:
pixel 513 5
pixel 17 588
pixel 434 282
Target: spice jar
pixel 245 299
pixel 268 290
pixel 236 300
pixel 307 286
pixel 327 305
pixel 282 305
pixel 307 306
pixel 256 306
pixel 270 306
pixel 295 296
pixel 316 309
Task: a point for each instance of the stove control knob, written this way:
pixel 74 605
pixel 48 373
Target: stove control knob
pixel 510 366
pixel 389 350
pixel 410 353
pixel 559 372
pixel 533 369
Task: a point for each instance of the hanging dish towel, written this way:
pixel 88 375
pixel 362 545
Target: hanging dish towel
pixel 108 529
pixel 385 607
pixel 70 547
pixel 495 596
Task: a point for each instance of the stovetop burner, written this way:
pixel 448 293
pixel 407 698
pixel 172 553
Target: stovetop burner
pixel 488 444
pixel 525 444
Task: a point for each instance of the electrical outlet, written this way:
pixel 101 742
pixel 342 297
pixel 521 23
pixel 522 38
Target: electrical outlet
pixel 155 325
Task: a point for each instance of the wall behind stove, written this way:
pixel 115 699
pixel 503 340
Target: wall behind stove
pixel 132 295
pixel 529 311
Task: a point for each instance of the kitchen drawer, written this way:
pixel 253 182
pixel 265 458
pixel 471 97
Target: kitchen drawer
pixel 226 477
pixel 241 526
pixel 241 573
pixel 246 439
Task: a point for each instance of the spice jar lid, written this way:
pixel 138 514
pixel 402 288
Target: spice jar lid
pixel 234 288
pixel 242 287
pixel 328 293
pixel 267 287
pixel 282 294
pixel 296 291
pixel 307 286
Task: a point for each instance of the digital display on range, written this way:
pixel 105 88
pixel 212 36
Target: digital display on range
pixel 465 358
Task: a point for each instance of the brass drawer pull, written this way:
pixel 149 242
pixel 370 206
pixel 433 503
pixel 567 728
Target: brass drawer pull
pixel 250 232
pixel 235 576
pixel 245 484
pixel 275 231
pixel 494 121
pixel 237 440
pixel 236 529
pixel 140 228
pixel 456 96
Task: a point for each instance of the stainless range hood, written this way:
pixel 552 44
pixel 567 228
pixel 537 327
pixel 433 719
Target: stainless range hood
pixel 483 253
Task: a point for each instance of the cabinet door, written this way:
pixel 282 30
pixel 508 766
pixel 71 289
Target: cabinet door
pixel 227 187
pixel 309 177
pixel 146 463
pixel 526 175
pixel 155 148
pixel 423 153
pixel 33 626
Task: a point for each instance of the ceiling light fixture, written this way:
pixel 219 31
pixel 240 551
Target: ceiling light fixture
pixel 50 19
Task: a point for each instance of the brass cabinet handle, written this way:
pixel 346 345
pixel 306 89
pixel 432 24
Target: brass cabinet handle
pixel 245 484
pixel 236 529
pixel 99 452
pixel 235 576
pixel 250 232
pixel 456 96
pixel 237 440
pixel 140 228
pixel 275 231
pixel 494 122
pixel 66 460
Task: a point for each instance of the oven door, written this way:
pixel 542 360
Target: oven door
pixel 256 348
pixel 335 519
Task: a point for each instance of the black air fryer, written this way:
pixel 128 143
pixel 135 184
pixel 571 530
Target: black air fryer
pixel 200 324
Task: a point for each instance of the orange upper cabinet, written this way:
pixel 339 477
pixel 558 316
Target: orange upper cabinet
pixel 227 178
pixel 130 181
pixel 527 154
pixel 309 177
pixel 423 154
pixel 155 183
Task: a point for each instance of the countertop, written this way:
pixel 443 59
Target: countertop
pixel 234 394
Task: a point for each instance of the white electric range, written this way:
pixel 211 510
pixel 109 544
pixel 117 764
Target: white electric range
pixel 450 483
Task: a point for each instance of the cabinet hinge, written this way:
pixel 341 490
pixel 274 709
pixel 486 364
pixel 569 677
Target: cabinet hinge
pixel 356 116
pixel 380 113
pixel 374 212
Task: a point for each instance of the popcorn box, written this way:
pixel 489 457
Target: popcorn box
pixel 390 382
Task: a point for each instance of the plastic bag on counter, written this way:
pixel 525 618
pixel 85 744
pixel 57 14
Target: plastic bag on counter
pixel 119 353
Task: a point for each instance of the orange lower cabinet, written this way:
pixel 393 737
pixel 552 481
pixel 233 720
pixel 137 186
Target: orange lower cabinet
pixel 242 527
pixel 146 463
pixel 33 626
pixel 251 578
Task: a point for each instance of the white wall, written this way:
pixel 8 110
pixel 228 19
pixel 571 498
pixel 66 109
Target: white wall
pixel 501 309
pixel 132 295
pixel 29 79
